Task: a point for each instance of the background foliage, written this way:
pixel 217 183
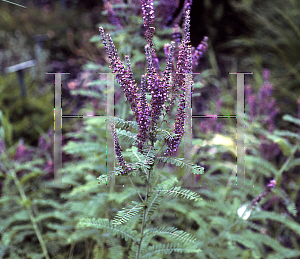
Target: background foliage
pixel 38 217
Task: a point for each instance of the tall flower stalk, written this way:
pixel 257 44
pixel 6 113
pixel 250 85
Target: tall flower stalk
pixel 162 90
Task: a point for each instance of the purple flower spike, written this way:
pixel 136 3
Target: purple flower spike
pixel 266 74
pixel 143 116
pixel 148 16
pixel 199 52
pixel 176 35
pixel 168 70
pixel 167 49
pixel 124 76
pixel 118 149
pixel 187 26
pixel 263 96
pixel 180 116
pixel 157 87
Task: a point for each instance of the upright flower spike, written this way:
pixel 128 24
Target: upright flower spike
pixel 187 26
pixel 189 82
pixel 176 35
pixel 154 87
pixel 158 86
pixel 124 76
pixel 143 115
pixel 118 150
pixel 180 116
pixel 167 49
pixel 148 16
pixel 181 67
pixel 169 66
pixel 200 50
pixel 184 66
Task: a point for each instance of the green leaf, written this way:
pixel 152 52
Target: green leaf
pixel 95 38
pixel 182 162
pixel 119 231
pixel 284 145
pixel 167 249
pixel 291 119
pixel 173 233
pixel 128 212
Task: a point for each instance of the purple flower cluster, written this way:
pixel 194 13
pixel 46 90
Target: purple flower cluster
pixel 159 89
pixel 166 10
pixel 143 115
pixel 124 76
pixel 210 124
pixel 148 16
pixel 158 86
pixel 200 50
pixel 182 60
pixel 118 150
pixel 263 104
pixel 184 66
pixel 113 18
pixel 251 99
pixel 266 104
pixel 176 35
pixel 272 184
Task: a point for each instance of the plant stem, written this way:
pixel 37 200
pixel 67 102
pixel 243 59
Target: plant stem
pixel 144 216
pixel 135 189
pixel 31 216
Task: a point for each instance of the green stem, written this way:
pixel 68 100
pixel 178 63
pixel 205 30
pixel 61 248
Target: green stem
pixel 135 189
pixel 32 218
pixel 144 216
pixel 283 167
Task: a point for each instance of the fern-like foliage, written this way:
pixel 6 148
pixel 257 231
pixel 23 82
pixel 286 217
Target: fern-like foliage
pixel 127 136
pixel 167 249
pixel 171 233
pixel 126 213
pixel 183 163
pixel 123 124
pixel 119 231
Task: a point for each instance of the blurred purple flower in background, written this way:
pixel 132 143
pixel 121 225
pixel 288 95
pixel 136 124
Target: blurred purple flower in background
pixel 263 104
pixel 200 50
pixel 113 18
pixel 22 153
pixel 2 146
pixel 210 124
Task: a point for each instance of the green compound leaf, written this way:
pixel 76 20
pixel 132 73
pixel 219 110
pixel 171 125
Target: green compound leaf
pixel 127 213
pixel 119 231
pixel 183 163
pixel 167 249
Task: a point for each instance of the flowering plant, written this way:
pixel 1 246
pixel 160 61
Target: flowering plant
pixel 163 88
